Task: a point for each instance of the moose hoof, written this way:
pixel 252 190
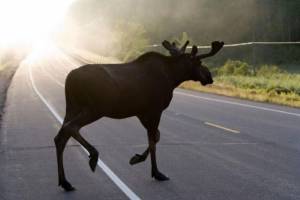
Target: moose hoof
pixel 67 186
pixel 93 161
pixel 160 177
pixel 137 159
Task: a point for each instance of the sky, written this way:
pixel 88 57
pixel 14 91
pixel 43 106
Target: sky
pixel 30 21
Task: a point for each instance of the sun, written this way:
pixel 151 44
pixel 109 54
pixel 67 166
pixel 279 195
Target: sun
pixel 30 21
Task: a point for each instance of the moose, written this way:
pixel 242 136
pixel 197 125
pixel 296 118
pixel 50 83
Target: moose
pixel 141 88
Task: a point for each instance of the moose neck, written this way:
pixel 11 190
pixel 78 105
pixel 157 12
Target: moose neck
pixel 178 73
pixel 172 68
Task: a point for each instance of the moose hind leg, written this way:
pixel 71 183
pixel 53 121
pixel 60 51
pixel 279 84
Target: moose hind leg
pixel 84 118
pixel 60 142
pixel 92 151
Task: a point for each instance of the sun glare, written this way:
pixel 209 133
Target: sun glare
pixel 30 21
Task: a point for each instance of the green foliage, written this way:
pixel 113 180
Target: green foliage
pixel 276 84
pixel 235 67
pixel 269 70
pixel 239 68
pixel 282 88
pixel 131 39
pixel 206 20
pixel 3 66
pixel 269 82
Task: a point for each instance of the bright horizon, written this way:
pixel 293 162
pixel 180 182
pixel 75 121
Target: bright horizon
pixel 31 21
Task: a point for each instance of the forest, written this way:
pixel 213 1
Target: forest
pixel 124 29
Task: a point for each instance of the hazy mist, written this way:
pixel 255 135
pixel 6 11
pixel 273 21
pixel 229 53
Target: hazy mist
pixel 203 20
pixel 95 24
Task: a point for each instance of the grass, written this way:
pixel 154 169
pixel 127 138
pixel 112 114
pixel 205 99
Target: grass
pixel 280 88
pixel 2 67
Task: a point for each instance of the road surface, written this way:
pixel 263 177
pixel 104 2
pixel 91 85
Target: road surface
pixel 212 147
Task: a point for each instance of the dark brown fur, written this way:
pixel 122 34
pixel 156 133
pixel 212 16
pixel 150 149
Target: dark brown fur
pixel 142 88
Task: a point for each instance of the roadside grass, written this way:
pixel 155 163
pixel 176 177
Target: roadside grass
pixel 280 88
pixel 2 66
pixel 6 74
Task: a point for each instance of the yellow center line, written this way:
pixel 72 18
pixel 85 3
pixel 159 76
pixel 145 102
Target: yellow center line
pixel 222 127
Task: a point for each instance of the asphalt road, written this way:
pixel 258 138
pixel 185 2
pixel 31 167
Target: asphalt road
pixel 212 147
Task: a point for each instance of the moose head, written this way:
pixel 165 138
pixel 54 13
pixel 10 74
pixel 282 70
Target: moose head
pixel 199 72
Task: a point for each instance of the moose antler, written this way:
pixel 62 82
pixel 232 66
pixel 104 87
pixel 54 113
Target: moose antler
pixel 172 48
pixel 183 48
pixel 194 51
pixel 216 46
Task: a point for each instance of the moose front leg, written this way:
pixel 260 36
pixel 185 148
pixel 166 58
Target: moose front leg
pixel 151 121
pixel 137 158
pixel 152 148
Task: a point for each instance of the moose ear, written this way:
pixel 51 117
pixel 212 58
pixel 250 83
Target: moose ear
pixel 194 51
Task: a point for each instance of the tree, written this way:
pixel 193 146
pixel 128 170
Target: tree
pixel 131 40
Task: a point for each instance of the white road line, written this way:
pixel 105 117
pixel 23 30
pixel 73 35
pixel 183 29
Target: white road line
pixel 221 127
pixel 56 81
pixel 128 192
pixel 51 77
pixel 238 104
